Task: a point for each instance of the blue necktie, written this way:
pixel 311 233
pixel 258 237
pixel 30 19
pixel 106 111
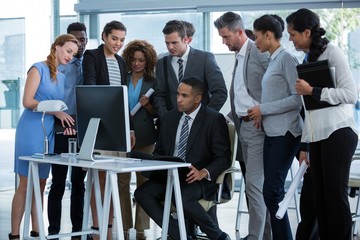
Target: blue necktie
pixel 183 138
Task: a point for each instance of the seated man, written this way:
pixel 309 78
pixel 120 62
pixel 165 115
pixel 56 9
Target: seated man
pixel 200 136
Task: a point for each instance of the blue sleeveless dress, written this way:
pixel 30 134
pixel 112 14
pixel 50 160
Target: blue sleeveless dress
pixel 29 137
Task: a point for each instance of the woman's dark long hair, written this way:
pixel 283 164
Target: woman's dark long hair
pixel 304 19
pixel 272 23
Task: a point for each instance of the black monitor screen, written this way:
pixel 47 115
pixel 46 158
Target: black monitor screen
pixel 110 105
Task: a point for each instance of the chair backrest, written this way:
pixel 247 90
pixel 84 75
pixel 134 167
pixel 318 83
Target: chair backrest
pixel 226 180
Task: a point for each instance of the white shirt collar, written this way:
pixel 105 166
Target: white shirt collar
pixel 193 114
pixel 243 49
pixel 185 55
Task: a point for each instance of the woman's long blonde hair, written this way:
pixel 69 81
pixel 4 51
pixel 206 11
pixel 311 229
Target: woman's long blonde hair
pixel 51 58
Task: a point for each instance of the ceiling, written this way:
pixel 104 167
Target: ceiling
pixel 107 6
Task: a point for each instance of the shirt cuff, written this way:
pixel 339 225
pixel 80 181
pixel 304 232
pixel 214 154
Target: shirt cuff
pixel 304 147
pixel 316 93
pixel 209 177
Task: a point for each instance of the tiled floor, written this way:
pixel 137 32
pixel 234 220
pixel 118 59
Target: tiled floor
pixel 226 216
pixel 226 212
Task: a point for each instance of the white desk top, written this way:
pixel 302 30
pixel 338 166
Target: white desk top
pixel 116 164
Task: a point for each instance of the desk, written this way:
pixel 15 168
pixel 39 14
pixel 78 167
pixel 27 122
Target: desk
pixel 120 165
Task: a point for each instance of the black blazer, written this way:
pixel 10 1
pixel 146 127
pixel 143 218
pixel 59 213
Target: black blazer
pixel 95 70
pixel 143 121
pixel 208 144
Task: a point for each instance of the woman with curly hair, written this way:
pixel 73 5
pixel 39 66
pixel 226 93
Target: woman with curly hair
pixel 140 58
pixel 43 82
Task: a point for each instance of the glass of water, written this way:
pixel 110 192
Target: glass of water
pixel 72 147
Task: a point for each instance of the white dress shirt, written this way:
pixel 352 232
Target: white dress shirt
pixel 242 100
pixel 175 64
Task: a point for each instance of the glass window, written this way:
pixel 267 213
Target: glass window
pixel 149 26
pixel 12 65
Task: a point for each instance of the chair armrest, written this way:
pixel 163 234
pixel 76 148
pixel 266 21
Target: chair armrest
pixel 220 178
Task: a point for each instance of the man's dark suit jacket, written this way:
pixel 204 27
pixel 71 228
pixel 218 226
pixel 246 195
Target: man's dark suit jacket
pixel 208 144
pixel 201 64
pixel 95 70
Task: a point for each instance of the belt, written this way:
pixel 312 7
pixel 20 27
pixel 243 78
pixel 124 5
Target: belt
pixel 245 118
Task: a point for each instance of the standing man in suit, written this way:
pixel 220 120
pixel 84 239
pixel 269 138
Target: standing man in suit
pixel 73 74
pixel 185 61
pixel 207 148
pixel 245 92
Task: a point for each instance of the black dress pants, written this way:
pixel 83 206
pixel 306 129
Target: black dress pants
pixel 56 193
pixel 307 228
pixel 330 161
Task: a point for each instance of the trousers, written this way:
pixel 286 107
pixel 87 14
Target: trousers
pixel 56 193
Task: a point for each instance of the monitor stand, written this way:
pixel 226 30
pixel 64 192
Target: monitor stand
pixel 87 146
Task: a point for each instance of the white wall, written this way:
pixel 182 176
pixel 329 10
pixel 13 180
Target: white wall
pixel 226 63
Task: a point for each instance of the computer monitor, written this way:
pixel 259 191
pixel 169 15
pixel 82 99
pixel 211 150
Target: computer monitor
pixel 102 115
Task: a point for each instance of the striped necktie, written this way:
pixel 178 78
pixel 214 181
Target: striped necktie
pixel 183 138
pixel 181 69
pixel 79 71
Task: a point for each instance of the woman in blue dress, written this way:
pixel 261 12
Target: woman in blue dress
pixel 44 82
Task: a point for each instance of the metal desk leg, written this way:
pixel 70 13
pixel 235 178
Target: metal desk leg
pixel 29 192
pixel 87 197
pixel 167 204
pixel 112 191
pixel 34 185
pixel 92 178
pixel 179 206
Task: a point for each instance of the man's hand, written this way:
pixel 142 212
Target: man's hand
pixel 69 131
pixel 132 139
pixel 196 175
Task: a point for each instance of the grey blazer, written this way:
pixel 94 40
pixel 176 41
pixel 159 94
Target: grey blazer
pixel 255 65
pixel 143 121
pixel 201 64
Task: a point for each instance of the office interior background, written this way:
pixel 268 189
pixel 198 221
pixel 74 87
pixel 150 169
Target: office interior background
pixel 27 29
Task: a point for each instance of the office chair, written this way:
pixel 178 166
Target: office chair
pixel 224 180
pixel 354 181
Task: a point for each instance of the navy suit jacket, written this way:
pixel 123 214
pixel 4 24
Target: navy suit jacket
pixel 95 70
pixel 208 144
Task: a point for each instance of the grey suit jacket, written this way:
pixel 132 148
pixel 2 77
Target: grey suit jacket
pixel 201 64
pixel 143 121
pixel 255 65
